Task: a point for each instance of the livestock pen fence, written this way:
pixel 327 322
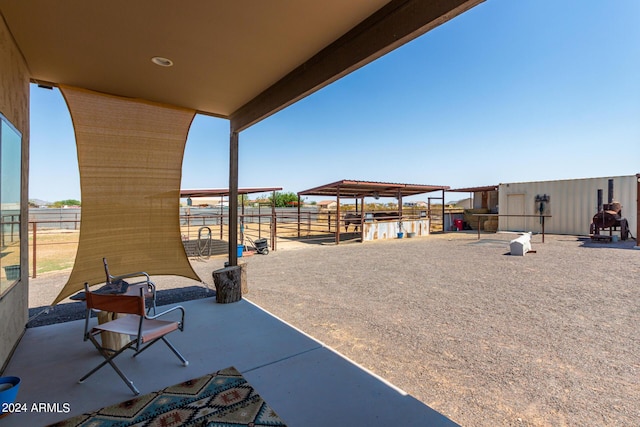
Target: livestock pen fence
pixel 54 233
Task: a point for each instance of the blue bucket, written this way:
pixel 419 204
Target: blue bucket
pixel 8 390
pixel 240 250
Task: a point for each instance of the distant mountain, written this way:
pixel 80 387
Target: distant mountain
pixel 39 202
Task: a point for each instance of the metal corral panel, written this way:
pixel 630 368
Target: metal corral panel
pixel 572 204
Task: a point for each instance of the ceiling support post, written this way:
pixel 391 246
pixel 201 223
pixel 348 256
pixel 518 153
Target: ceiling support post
pixel 233 197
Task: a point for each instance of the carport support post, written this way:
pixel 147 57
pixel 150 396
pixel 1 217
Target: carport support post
pixel 299 216
pixel 362 219
pixel 443 212
pixel 273 229
pixel 338 216
pixel 233 198
pixel 399 197
pixel 242 218
pixel 638 212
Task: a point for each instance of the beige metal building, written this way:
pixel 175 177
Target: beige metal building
pixel 571 203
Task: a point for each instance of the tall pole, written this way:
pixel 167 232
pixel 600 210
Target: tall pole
pixel 35 232
pixel 241 219
pixel 273 229
pixel 638 211
pixel 233 198
pixel 443 211
pixel 298 216
pixel 338 216
pixel 362 219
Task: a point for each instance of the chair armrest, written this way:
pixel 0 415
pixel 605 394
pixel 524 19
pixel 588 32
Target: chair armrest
pixel 178 307
pixel 111 277
pixel 149 283
pixel 136 274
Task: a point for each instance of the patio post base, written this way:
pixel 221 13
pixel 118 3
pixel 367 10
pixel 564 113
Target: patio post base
pixel 228 284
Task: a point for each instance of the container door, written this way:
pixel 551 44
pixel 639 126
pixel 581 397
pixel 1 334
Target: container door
pixel 515 206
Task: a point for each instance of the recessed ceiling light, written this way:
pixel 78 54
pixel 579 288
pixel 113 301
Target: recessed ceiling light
pixel 163 62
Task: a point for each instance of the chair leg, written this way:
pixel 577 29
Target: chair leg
pixel 184 361
pixel 152 305
pixel 153 302
pixel 109 359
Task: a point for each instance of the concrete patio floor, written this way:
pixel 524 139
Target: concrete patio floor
pixel 304 381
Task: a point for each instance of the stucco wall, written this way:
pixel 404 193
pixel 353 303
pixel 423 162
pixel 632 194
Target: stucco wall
pixel 14 104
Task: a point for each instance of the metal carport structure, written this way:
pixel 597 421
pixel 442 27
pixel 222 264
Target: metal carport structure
pixel 358 190
pixel 224 192
pixel 483 190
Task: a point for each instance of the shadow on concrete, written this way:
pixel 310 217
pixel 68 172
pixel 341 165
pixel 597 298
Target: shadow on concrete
pixel 67 312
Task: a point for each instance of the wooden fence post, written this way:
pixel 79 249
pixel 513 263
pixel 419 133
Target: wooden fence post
pixel 35 227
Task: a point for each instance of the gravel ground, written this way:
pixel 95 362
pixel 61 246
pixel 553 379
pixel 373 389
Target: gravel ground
pixel 485 338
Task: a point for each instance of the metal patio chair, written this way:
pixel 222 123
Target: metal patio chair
pixel 143 330
pixel 134 288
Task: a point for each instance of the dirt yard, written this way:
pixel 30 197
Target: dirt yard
pixel 548 339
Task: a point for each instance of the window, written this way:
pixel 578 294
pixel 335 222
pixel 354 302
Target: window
pixel 10 189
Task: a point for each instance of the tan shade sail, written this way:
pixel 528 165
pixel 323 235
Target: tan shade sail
pixel 130 158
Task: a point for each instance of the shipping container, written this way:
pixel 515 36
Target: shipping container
pixel 571 203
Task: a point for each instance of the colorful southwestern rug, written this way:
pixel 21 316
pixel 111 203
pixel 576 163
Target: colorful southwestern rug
pixel 221 399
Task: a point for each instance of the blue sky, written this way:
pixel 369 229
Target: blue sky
pixel 511 91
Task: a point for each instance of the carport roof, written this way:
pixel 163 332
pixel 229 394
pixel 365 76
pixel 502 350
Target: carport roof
pixel 223 192
pixel 474 189
pixel 240 60
pixel 356 189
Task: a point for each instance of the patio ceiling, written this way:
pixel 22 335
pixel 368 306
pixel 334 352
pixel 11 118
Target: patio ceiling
pixel 241 60
pixel 356 189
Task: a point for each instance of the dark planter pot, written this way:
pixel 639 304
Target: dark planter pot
pixel 12 272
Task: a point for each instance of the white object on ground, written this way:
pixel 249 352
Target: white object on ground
pixel 521 245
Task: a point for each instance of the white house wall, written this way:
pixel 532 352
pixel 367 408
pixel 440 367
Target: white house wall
pixel 572 204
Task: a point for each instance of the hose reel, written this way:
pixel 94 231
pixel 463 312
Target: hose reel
pixel 204 245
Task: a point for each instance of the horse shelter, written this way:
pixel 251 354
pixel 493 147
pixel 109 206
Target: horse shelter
pixel 377 225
